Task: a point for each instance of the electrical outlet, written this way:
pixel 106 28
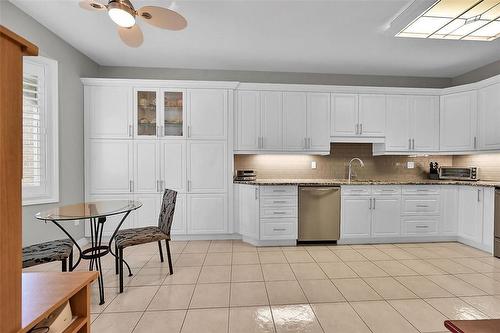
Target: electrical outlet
pixel 410 165
pixel 313 164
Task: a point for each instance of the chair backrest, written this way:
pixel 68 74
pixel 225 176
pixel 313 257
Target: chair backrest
pixel 167 211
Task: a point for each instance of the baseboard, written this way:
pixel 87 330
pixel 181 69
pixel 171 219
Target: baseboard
pixel 384 240
pixel 206 237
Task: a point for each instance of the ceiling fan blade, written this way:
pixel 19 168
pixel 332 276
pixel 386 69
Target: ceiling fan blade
pixel 132 36
pixel 91 5
pixel 162 17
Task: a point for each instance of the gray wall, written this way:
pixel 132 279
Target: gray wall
pixel 272 77
pixel 478 74
pixel 72 66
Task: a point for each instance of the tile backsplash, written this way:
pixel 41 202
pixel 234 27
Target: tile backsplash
pixel 489 164
pixel 335 165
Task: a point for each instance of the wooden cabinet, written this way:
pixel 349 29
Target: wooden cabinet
pixel 208 113
pixel 458 122
pixel 489 117
pixel 146 166
pixel 386 221
pixel 318 122
pixel 207 167
pixel 110 167
pixel 109 110
pixel 294 121
pixel 248 120
pixel 207 214
pixel 372 113
pixel 470 209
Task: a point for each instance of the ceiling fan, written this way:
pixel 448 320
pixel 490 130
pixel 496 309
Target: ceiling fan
pixel 123 13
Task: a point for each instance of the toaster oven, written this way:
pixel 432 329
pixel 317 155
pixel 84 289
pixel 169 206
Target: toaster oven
pixel 458 173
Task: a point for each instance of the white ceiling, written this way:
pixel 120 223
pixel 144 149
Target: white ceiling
pixel 343 37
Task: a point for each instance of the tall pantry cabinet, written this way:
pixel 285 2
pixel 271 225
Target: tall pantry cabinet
pixel 145 136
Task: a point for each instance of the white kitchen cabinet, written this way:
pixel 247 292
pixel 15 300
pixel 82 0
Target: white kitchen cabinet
pixel 418 226
pixel 489 117
pixel 470 209
pixel 179 222
pixel 449 212
pixel 344 115
pixel 249 211
pixel 146 113
pixel 458 122
pixel 109 112
pixel 110 166
pixel 372 115
pixel 295 120
pixel 207 167
pixel 172 113
pixel 386 220
pixel 208 114
pixel 398 129
pixel 207 213
pixel 271 127
pixel 173 165
pixel 318 120
pixel 148 214
pixel 146 166
pixel 356 217
pixel 248 120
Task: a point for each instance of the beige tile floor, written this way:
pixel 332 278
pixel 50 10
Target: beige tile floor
pixel 233 287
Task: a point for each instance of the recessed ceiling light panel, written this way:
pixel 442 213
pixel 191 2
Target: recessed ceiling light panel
pixel 457 19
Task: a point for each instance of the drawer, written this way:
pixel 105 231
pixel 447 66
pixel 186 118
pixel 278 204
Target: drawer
pixel 278 201
pixel 356 190
pixel 270 230
pixel 420 205
pixel 421 189
pixel 386 190
pixel 278 190
pixel 420 227
pixel 278 212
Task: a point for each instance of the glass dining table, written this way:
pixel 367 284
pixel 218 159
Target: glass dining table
pixel 96 212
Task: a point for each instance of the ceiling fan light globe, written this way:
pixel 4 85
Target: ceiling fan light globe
pixel 121 17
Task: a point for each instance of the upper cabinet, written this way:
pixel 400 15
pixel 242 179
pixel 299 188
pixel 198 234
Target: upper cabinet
pixel 271 120
pixel 109 112
pixel 489 117
pixel 173 113
pixel 147 115
pixel 295 121
pixel 458 122
pixel 412 123
pixel 318 121
pixel 207 115
pixel 248 120
pixel 361 116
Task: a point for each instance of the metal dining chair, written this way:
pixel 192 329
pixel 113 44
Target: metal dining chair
pixel 136 236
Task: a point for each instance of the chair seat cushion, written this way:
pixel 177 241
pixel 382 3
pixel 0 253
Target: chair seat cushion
pixel 47 252
pixel 136 236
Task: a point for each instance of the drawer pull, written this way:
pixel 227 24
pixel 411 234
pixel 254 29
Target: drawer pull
pixel 279 213
pixel 421 226
pixel 279 201
pixel 357 190
pixel 279 229
pixel 279 191
pixel 422 206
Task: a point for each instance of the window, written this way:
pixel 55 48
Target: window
pixel 40 132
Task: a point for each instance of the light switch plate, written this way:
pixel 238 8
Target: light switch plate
pixel 313 164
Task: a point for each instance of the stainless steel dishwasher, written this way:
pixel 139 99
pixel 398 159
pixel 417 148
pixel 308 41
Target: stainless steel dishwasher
pixel 319 213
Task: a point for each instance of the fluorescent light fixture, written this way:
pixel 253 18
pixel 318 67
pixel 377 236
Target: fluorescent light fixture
pixel 457 19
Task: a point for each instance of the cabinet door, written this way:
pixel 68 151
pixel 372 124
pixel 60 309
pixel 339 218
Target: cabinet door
pixel 173 165
pixel 489 117
pixel 110 166
pixel 148 214
pixel 173 114
pixel 372 115
pixel 207 165
pixel 295 118
pixel 146 166
pixel 207 114
pixel 248 120
pixel 425 120
pixel 179 223
pixel 271 120
pixel 318 121
pixel 249 211
pixel 356 217
pixel 146 113
pixel 449 212
pixel 344 115
pixel 109 112
pixel 113 221
pixel 458 122
pixel 397 136
pixel 386 221
pixel 471 213
pixel 207 214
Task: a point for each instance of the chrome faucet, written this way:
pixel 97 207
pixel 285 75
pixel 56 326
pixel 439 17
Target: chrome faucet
pixel 350 165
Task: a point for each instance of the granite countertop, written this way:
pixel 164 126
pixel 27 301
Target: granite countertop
pixel 336 182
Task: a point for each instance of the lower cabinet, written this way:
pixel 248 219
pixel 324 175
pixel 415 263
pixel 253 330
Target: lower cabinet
pixel 470 207
pixel 385 217
pixel 356 217
pixel 207 214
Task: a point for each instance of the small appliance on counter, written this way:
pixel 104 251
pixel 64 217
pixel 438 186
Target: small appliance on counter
pixel 245 175
pixel 434 170
pixel 458 173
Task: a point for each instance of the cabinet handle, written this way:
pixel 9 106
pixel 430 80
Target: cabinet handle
pixel 279 213
pixel 422 206
pixel 409 144
pixel 475 142
pixel 189 131
pixel 356 129
pixel 361 128
pixel 161 185
pixel 279 229
pixel 421 226
pixel 478 195
pixel 131 185
pixel 370 207
pixel 278 191
pixel 279 201
pixel 130 130
pixel 256 193
pixel 374 201
pixel 188 185
pixel 157 186
pixel 413 144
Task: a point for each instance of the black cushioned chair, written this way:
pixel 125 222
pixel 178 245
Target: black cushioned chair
pixel 136 236
pixel 57 250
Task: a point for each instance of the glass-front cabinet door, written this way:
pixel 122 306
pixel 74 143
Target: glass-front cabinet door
pixel 173 113
pixel 146 113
